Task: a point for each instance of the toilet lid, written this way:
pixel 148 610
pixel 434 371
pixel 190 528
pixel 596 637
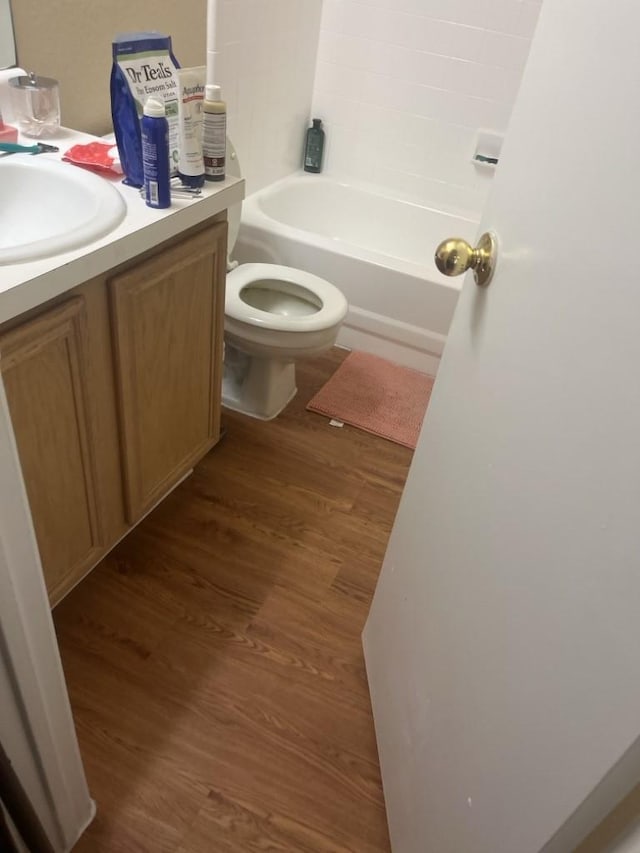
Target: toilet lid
pixel 333 303
pixel 235 211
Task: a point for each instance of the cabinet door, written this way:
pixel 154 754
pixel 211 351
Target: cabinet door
pixel 168 316
pixel 44 368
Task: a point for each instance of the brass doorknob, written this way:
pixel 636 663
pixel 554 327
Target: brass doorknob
pixel 455 256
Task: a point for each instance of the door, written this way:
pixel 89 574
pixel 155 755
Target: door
pixel 503 643
pixel 44 365
pixel 168 315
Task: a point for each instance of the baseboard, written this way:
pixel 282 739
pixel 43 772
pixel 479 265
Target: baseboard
pixel 399 342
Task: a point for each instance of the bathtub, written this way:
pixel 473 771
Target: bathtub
pixel 377 250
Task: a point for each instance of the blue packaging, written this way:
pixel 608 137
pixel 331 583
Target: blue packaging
pixel 155 154
pixel 143 67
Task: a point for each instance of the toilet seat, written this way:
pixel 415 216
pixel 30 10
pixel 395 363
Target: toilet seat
pixel 332 305
pixel 273 316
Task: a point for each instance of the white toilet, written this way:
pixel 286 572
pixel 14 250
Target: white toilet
pixel 273 315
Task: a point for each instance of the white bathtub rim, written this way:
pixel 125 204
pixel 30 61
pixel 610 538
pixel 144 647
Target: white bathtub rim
pixel 473 217
pixel 257 219
pixel 253 215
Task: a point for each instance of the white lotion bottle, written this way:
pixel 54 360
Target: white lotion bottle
pixel 190 100
pixel 214 133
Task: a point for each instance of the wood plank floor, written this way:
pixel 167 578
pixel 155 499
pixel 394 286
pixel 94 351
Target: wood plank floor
pixel 214 660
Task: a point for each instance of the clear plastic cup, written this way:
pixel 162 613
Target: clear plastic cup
pixel 36 104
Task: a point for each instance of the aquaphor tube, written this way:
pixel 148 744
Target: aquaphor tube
pixel 190 101
pixel 212 40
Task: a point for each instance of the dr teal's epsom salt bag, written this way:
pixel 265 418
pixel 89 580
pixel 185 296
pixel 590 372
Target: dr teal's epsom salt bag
pixel 143 66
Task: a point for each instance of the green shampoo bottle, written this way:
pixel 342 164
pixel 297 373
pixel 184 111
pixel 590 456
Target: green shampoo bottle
pixel 314 147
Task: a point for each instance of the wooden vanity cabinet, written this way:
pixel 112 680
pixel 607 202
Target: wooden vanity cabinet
pixel 48 384
pixel 168 346
pixel 114 392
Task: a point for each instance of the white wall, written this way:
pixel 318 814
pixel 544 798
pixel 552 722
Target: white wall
pixel 404 85
pixel 268 59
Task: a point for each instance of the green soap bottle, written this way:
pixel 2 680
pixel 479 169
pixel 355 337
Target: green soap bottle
pixel 314 147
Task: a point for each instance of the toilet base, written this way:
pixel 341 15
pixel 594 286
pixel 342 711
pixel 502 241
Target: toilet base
pixel 257 386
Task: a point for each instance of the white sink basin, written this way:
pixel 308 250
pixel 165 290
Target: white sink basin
pixel 48 207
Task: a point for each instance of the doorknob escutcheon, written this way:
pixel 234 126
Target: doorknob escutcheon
pixel 455 256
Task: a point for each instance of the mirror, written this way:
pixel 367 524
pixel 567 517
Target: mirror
pixel 7 43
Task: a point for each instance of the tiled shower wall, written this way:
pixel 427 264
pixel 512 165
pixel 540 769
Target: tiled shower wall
pixel 267 65
pixel 404 85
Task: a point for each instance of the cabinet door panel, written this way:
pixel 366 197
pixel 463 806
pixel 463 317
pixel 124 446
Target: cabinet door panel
pixel 167 327
pixel 43 365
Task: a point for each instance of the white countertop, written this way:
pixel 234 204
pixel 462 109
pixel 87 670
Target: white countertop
pixel 25 285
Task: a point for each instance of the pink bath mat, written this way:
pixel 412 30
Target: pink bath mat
pixel 377 396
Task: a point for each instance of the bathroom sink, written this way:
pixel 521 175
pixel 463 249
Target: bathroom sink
pixel 48 207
